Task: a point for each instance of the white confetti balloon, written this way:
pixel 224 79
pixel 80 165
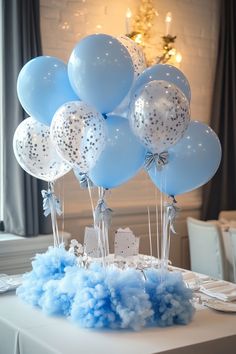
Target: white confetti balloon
pixel 35 153
pixel 78 133
pixel 136 53
pixel 140 65
pixel 159 115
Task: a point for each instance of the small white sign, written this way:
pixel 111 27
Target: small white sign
pixel 126 244
pixel 91 246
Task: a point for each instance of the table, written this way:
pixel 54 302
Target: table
pixel 26 330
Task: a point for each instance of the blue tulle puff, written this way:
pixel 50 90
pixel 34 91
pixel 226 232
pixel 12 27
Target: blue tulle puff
pixel 108 297
pixel 170 298
pixel 45 267
pixel 111 298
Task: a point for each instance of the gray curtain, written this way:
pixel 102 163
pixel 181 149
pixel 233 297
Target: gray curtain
pixel 220 193
pixel 21 42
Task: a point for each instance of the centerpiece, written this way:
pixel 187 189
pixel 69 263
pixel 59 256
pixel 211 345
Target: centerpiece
pixel 106 116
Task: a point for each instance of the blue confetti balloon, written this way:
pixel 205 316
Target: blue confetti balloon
pixel 193 161
pixel 164 72
pixel 101 71
pixel 43 86
pixel 122 157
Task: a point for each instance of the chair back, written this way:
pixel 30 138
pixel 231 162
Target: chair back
pixel 232 235
pixel 206 251
pixel 227 215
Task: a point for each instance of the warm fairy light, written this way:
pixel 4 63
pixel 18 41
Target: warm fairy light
pixel 138 38
pixel 65 26
pixel 168 17
pixel 139 28
pixel 168 20
pixel 128 13
pixel 128 16
pixel 178 57
pixel 172 52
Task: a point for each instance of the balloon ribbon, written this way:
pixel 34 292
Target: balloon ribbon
pixel 102 221
pixel 172 212
pixel 85 181
pixel 49 199
pixel 102 212
pixel 159 160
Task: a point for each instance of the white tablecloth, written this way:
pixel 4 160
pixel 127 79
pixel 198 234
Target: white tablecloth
pixel 25 330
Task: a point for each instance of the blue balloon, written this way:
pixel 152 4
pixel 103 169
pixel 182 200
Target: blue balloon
pixel 43 86
pixel 122 157
pixel 101 71
pixel 193 161
pixel 164 72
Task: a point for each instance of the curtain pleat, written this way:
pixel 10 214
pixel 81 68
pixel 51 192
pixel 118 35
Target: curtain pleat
pixel 21 42
pixel 220 193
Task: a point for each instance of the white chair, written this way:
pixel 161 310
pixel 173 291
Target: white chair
pixel 227 215
pixel 206 251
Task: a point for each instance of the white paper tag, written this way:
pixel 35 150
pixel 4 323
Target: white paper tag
pixel 91 242
pixel 126 244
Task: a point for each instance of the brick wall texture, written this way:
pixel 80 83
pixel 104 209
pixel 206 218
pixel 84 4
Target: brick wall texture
pixel 195 22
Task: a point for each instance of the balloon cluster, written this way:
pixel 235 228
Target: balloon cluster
pixel 78 119
pixel 106 116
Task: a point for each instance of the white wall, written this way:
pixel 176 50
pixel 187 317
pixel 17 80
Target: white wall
pixel 195 22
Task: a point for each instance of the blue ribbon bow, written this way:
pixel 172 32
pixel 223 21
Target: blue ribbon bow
pixel 48 198
pixel 158 159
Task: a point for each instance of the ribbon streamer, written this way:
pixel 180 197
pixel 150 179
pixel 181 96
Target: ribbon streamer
pixel 158 159
pixel 172 211
pixel 102 213
pixel 102 221
pixel 49 199
pixel 85 181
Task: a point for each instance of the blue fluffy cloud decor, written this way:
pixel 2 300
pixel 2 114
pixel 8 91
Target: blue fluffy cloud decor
pixel 110 297
pixel 46 267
